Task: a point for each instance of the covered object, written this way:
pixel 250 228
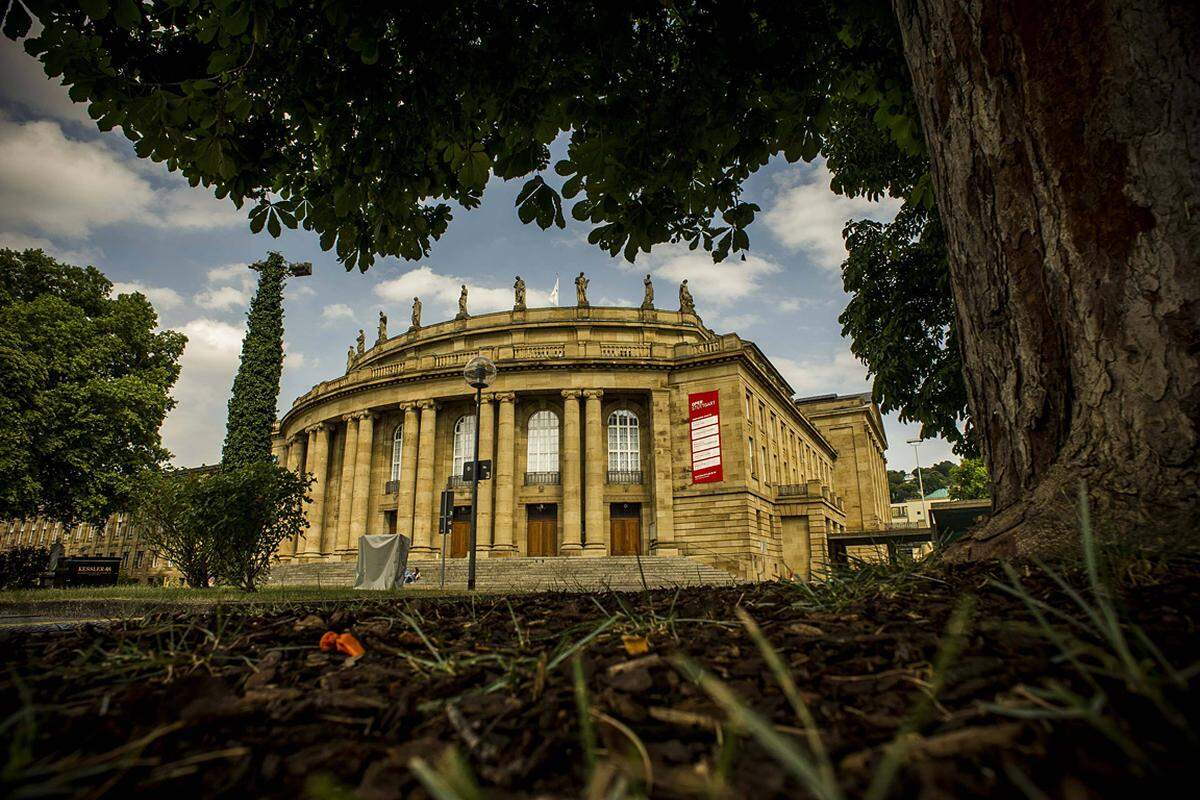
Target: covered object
pixel 381 561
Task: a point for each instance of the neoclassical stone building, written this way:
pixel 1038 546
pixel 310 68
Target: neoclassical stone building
pixel 612 431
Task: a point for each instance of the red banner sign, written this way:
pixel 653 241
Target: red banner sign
pixel 704 416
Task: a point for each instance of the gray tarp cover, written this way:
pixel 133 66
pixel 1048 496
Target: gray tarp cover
pixel 381 561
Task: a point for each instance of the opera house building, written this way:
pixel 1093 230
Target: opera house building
pixel 611 431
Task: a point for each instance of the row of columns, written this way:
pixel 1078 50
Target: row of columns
pixel 418 493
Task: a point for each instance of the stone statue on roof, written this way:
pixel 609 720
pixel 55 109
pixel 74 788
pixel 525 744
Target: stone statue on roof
pixel 360 343
pixel 350 358
pixel 581 284
pixel 519 295
pixel 462 304
pixel 416 314
pixel 648 300
pixel 382 337
pixel 686 304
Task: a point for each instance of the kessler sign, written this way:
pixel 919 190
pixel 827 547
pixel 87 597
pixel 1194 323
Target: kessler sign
pixel 704 416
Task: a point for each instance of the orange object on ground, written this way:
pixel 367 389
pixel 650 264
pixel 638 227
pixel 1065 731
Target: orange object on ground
pixel 343 643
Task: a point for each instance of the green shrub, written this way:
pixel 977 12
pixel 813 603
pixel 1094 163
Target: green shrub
pixel 20 567
pixel 245 512
pixel 161 506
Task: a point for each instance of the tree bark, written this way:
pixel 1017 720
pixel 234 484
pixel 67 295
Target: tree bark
pixel 1065 147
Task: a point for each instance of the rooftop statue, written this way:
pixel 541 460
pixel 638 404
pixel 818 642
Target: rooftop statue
pixel 686 304
pixel 350 358
pixel 462 304
pixel 361 342
pixel 416 314
pixel 382 337
pixel 519 295
pixel 648 300
pixel 581 284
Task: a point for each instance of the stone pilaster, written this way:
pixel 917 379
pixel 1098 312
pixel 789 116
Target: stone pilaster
pixel 483 516
pixel 317 465
pixel 572 543
pixel 362 479
pixel 346 485
pixel 407 491
pixel 596 458
pixel 425 500
pixel 661 481
pixel 295 462
pixel 502 544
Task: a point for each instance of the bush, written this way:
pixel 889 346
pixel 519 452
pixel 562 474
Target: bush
pixel 20 567
pixel 245 512
pixel 162 503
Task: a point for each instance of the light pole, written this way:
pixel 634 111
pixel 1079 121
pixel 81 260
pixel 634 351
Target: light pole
pixel 920 481
pixel 479 373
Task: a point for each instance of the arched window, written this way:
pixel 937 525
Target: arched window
pixel 464 443
pixel 624 446
pixel 542 450
pixel 397 452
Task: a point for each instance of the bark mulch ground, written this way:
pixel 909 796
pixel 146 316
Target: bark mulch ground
pixel 939 674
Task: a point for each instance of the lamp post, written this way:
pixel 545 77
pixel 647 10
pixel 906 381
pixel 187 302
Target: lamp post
pixel 479 373
pixel 920 481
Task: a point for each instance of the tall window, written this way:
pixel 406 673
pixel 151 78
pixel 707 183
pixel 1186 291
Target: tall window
pixel 624 447
pixel 542 450
pixel 464 442
pixel 397 452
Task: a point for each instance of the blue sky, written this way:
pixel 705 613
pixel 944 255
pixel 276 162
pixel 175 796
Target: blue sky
pixel 84 197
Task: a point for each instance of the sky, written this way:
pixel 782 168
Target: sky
pixel 84 197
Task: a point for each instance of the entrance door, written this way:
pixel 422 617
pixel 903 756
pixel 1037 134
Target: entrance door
pixel 625 525
pixel 543 529
pixel 460 532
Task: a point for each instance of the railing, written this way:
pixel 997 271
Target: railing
pixel 542 479
pixel 538 351
pixel 793 489
pixel 457 482
pixel 452 359
pixel 707 347
pixel 624 476
pixel 386 369
pixel 391 487
pixel 624 351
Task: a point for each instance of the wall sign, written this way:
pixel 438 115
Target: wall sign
pixel 704 416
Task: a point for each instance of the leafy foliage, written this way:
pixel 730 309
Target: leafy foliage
pixel 246 512
pixel 161 506
pixel 255 392
pixel 902 486
pixel 969 480
pixel 84 382
pixel 20 567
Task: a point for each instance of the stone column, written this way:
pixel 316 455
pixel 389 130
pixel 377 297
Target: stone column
pixel 361 498
pixel 503 476
pixel 572 544
pixel 407 491
pixel 295 461
pixel 317 465
pixel 346 485
pixel 596 457
pixel 483 516
pixel 662 482
pixel 424 518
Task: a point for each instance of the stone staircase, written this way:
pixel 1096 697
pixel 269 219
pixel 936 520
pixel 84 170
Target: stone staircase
pixel 616 573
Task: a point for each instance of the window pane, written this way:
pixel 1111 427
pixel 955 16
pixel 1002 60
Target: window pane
pixel 623 444
pixel 542 449
pixel 464 442
pixel 397 452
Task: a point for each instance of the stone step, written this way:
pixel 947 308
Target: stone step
pixel 528 574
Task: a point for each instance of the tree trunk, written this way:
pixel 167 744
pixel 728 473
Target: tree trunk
pixel 1065 147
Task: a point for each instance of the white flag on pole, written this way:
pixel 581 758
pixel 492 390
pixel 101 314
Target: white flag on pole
pixel 554 292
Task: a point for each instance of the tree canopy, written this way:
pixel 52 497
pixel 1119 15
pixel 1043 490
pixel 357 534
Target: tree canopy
pixel 84 382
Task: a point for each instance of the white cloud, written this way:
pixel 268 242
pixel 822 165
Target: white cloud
pixel 711 284
pixel 229 287
pixel 161 297
pixel 25 83
pixel 195 428
pixel 222 298
pixel 331 314
pixel 840 372
pixel 56 186
pixel 439 294
pixel 77 256
pixel 806 215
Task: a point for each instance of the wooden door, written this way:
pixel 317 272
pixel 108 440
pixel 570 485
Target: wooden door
pixel 542 530
pixel 625 528
pixel 460 532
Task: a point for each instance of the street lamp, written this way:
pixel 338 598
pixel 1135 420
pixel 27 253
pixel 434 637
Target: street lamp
pixel 479 373
pixel 920 482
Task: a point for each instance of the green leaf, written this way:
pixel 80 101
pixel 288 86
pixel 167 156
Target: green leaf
pixel 95 9
pixel 17 21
